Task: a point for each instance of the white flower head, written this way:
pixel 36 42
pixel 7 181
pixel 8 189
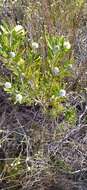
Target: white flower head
pixel 12 54
pixel 35 45
pixel 7 85
pixel 67 45
pixel 19 98
pixel 19 28
pixel 55 71
pixel 62 93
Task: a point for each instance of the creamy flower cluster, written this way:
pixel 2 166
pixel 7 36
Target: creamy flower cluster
pixel 18 97
pixel 67 45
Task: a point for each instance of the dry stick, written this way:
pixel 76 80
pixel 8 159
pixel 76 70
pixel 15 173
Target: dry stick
pixel 2 120
pixel 28 145
pixel 73 30
pixel 73 132
pixel 81 71
pixel 46 14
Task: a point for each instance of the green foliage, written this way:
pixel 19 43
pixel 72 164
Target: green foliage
pixel 59 164
pixel 70 115
pixel 34 80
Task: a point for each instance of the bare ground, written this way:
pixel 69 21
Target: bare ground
pixel 45 162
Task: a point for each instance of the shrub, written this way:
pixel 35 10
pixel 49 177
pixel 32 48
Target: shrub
pixel 33 79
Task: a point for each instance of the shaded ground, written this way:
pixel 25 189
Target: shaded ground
pixel 28 137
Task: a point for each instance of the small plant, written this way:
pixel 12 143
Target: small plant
pixel 70 115
pixel 59 164
pixel 33 81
